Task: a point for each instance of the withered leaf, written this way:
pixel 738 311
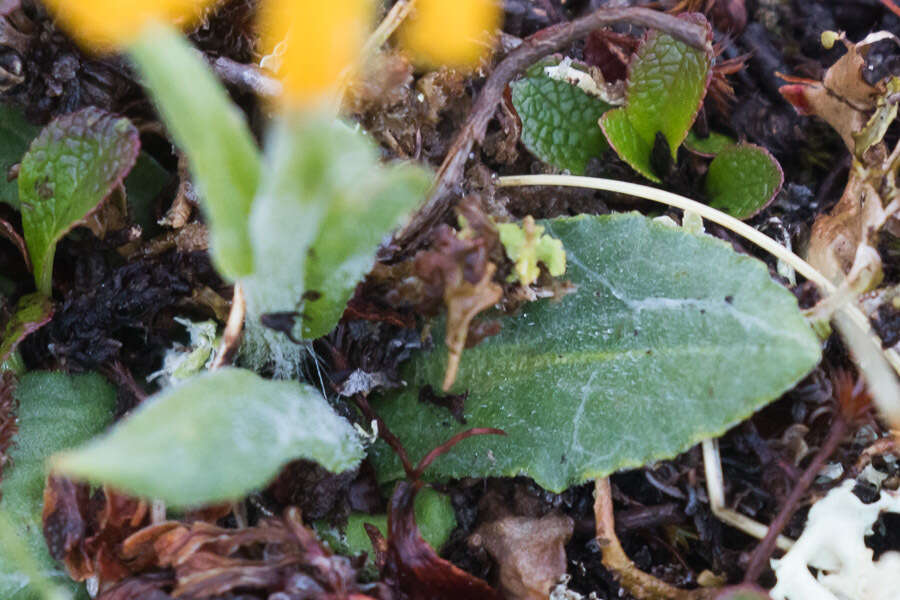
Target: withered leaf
pixel 85 531
pixel 414 567
pixel 530 552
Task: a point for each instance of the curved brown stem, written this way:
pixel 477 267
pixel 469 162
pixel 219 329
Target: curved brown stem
pixel 534 48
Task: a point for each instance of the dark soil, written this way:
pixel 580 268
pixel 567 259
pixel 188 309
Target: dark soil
pixel 116 315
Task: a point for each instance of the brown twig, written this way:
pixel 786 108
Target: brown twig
pixel 234 329
pixel 534 48
pixel 764 549
pixel 639 584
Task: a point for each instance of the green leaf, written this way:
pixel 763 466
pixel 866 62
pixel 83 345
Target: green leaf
pixel 70 168
pixel 709 146
pixel 15 135
pixel 742 180
pixel 670 338
pixel 56 411
pixel 209 128
pixel 214 438
pixel 667 81
pixel 325 205
pixel 32 312
pixel 434 517
pixel 627 143
pixel 559 120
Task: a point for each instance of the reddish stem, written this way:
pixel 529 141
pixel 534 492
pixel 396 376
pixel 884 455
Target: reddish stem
pixel 764 549
pixel 891 7
pixel 446 446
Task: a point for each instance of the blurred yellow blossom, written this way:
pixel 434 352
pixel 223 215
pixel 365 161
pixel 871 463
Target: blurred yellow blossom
pixel 456 33
pixel 310 44
pixel 106 25
pixel 314 42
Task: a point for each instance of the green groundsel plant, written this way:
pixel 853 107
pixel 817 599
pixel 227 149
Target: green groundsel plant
pixel 306 216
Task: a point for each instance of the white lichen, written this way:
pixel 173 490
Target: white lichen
pixel 833 545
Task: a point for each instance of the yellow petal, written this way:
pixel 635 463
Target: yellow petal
pixel 456 33
pixel 315 42
pixel 106 25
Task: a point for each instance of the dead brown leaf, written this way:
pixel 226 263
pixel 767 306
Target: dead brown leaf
pixel 85 531
pixel 842 244
pixel 277 555
pixel 530 552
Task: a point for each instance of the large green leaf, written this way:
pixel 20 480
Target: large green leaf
pixel 742 180
pixel 210 129
pixel 15 135
pixel 670 338
pixel 667 82
pixel 559 120
pixel 69 169
pixel 56 411
pixel 215 437
pixel 325 205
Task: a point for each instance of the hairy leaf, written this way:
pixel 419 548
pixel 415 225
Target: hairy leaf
pixel 211 130
pixel 742 180
pixel 32 312
pixel 325 205
pixel 56 411
pixel 15 135
pixel 667 82
pixel 559 120
pixel 70 168
pixel 670 338
pixel 215 437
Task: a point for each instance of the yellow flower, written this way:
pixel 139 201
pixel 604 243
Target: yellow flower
pixel 106 25
pixel 311 43
pixel 314 42
pixel 456 33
